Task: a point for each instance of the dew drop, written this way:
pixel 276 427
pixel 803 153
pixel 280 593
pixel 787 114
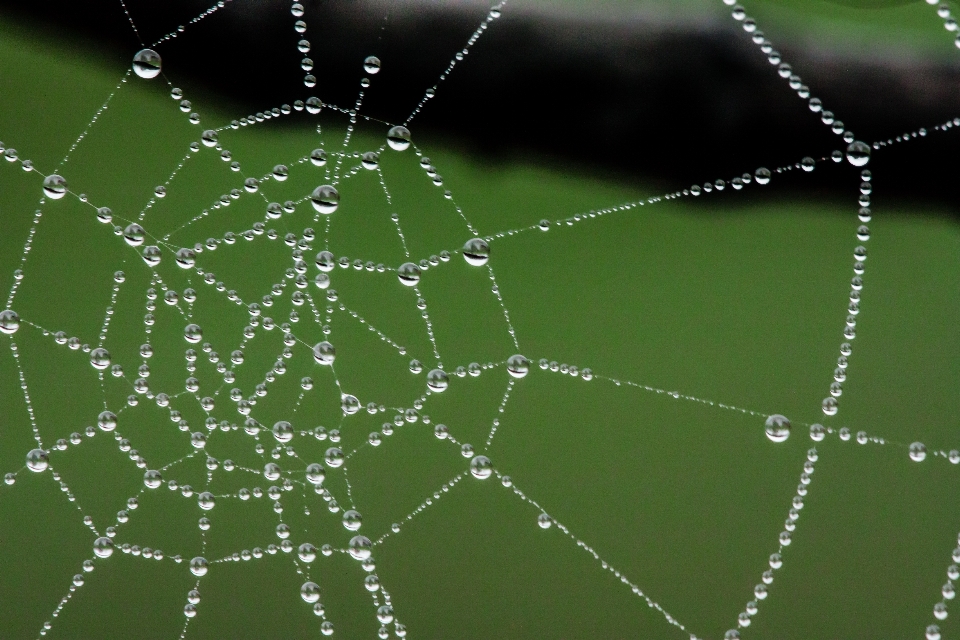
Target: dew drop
pixel 476 252
pixel 54 187
pixel 777 428
pixel 146 63
pixel 409 274
pixel 325 199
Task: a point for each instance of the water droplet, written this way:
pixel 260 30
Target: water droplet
pixel 409 274
pixel 325 199
pixel 152 479
pixel 103 547
pixel 334 457
pixel 107 421
pixel 518 366
pixel 349 404
pixel 398 138
pixel 762 175
pixel 481 467
pixel 371 65
pixel 206 501
pixel 318 157
pixel 307 552
pixel 385 614
pixel 324 353
pixel 370 160
pixel 146 63
pixel 544 521
pixel 352 520
pixel 310 592
pixel 858 153
pixel 933 632
pixel 476 252
pixel 808 164
pixel 38 460
pixel 830 406
pixel 9 321
pixel 283 431
pixel 152 255
pixel 360 547
pixel 186 258
pixel 918 452
pixel 54 187
pixel 199 566
pixel 438 380
pixel 209 138
pixel 134 234
pixel 193 333
pixel 777 428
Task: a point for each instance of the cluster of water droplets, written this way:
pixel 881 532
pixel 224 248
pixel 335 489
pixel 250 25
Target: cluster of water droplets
pixel 304 475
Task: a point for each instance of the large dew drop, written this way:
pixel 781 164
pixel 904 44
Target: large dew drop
pixel 283 431
pixel 103 547
pixel 324 353
pixel 352 520
pixel 371 65
pixel 334 457
pixel 481 467
pixel 198 566
pixel 152 479
pixel 9 321
pixel 918 452
pixel 360 547
pixel 409 274
pixel 518 366
pixel 134 235
pixel 37 460
pixel 192 333
pixel 398 138
pixel 777 428
pixel 325 199
pixel 107 421
pixel 100 358
pixel 858 153
pixel 146 63
pixel 54 187
pixel 476 252
pixel 438 380
pixel 315 473
pixel 349 404
pixel 310 592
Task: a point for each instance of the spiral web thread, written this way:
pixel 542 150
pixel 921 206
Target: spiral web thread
pixel 342 165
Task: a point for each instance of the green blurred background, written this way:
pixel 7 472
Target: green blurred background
pixel 737 299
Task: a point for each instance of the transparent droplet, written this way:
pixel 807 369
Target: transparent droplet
pixel 198 566
pixel 777 428
pixel 103 547
pixel 476 252
pixel 371 65
pixel 370 160
pixel 325 199
pixel 152 479
pixel 9 321
pixel 209 138
pixel 334 457
pixel 146 63
pixel 481 467
pixel 318 157
pixel 544 521
pixel 100 358
pixel 438 380
pixel 830 406
pixel 918 452
pixel 808 164
pixel 152 255
pixel 398 138
pixel 107 421
pixel 283 431
pixel 409 274
pixel 360 547
pixel 324 353
pixel 858 153
pixel 762 175
pixel 315 473
pixel 352 520
pixel 38 460
pixel 518 366
pixel 349 404
pixel 134 234
pixel 307 552
pixel 310 592
pixel 54 187
pixel 186 258
pixel 193 333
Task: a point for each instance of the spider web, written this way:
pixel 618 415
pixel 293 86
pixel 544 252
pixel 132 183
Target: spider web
pixel 208 375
